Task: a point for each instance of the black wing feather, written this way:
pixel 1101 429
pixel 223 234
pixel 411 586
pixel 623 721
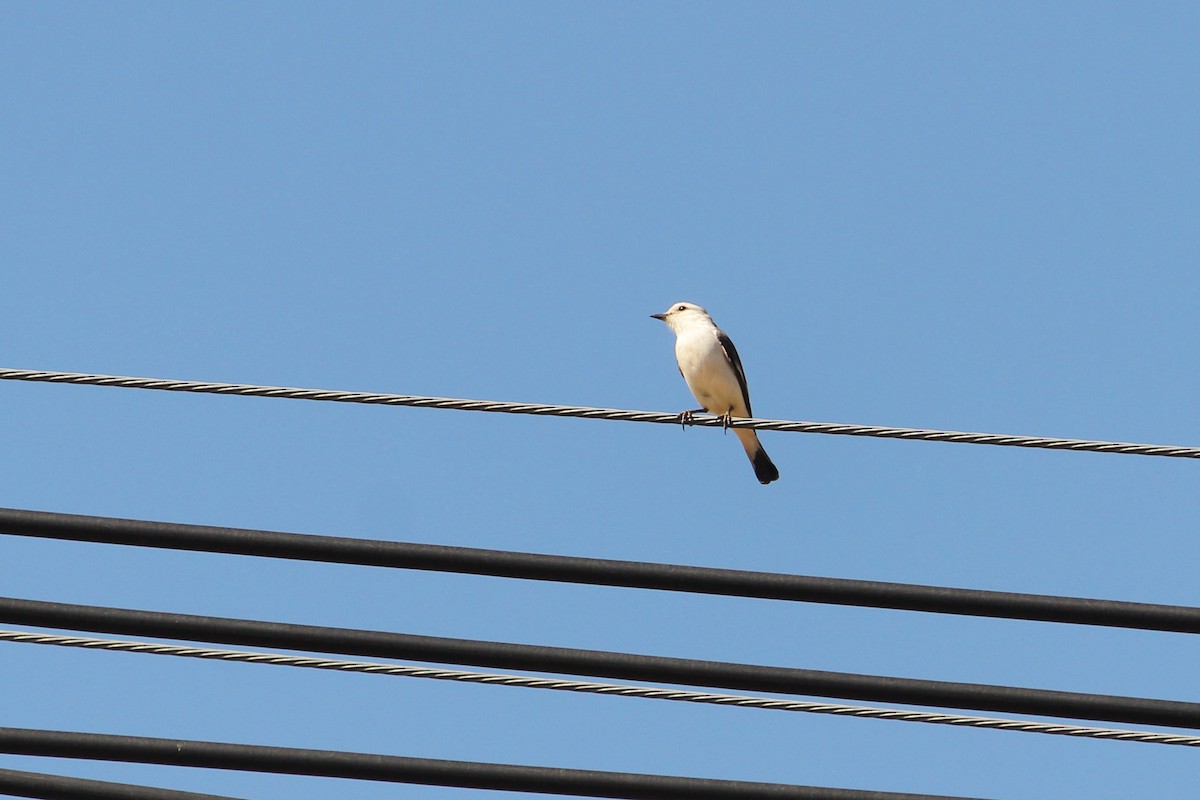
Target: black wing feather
pixel 732 354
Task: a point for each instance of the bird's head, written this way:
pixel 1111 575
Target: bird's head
pixel 680 314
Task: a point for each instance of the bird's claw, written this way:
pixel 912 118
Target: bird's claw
pixel 689 417
pixel 726 418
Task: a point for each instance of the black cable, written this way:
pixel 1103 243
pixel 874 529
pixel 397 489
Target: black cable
pixel 597 663
pixel 14 783
pixel 603 572
pixel 400 769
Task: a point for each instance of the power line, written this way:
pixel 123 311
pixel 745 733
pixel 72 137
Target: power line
pixel 602 572
pixel 624 666
pixel 586 412
pixel 402 769
pixel 560 684
pixel 14 783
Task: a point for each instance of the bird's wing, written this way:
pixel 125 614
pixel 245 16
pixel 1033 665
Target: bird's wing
pixel 731 354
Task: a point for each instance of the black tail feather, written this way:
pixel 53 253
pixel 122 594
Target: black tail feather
pixel 764 470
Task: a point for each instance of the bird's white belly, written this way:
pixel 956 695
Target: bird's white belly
pixel 708 373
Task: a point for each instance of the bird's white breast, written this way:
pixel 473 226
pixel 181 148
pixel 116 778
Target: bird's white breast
pixel 707 370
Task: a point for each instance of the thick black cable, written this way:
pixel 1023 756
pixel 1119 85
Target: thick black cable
pixel 401 769
pixel 597 663
pixel 601 572
pixel 15 783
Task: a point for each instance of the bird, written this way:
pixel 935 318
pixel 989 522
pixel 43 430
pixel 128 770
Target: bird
pixel 712 369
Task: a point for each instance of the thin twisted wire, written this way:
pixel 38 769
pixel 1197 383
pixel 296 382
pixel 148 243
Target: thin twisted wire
pixel 587 412
pixel 559 684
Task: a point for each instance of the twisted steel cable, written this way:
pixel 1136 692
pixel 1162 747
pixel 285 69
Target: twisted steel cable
pixel 560 684
pixel 586 412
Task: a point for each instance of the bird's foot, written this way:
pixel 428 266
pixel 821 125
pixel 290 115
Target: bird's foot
pixel 726 418
pixel 688 417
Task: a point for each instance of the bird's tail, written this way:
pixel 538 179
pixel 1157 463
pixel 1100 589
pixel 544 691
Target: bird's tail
pixel 764 470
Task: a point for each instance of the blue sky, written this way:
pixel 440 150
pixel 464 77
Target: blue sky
pixel 963 216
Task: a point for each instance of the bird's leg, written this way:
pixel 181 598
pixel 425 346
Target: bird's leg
pixel 726 418
pixel 685 417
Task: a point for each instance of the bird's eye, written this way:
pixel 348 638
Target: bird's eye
pixel 681 308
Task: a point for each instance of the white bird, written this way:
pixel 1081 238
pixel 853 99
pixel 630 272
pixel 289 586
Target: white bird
pixel 713 371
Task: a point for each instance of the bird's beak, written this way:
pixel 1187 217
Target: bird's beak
pixel 659 316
